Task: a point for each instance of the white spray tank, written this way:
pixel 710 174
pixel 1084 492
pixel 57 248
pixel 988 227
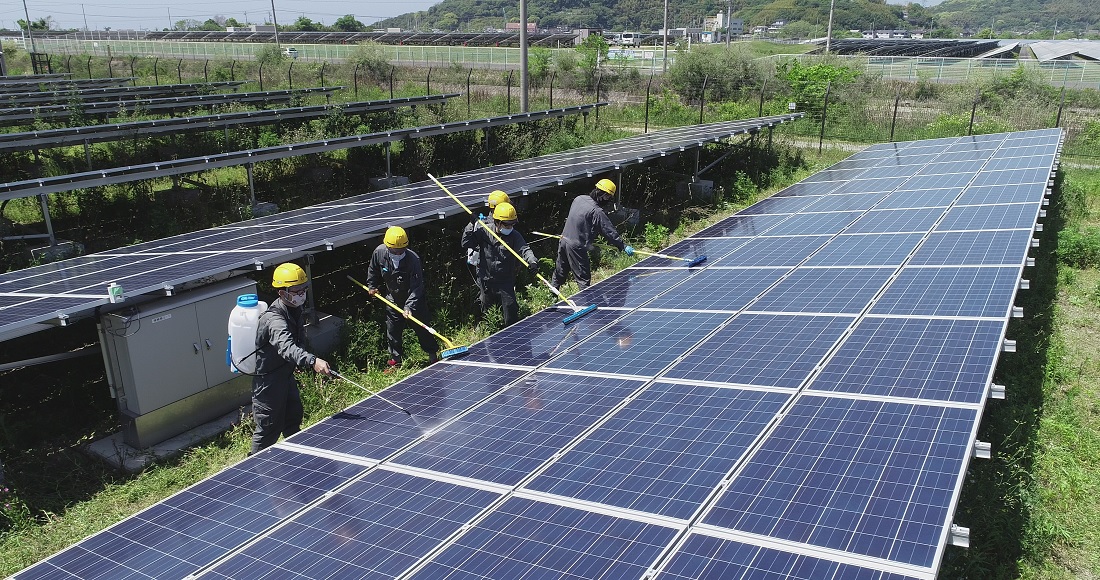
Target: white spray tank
pixel 244 319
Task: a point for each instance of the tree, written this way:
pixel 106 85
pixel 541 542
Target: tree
pixel 593 50
pixel 40 24
pixel 348 23
pixel 304 24
pixel 187 24
pixel 233 22
pixel 211 25
pixel 449 21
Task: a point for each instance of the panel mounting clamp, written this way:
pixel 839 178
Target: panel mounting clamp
pixel 982 450
pixel 996 391
pixel 960 536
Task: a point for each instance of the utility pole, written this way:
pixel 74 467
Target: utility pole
pixel 523 56
pixel 729 11
pixel 31 37
pixel 829 30
pixel 171 25
pixel 85 17
pixel 664 34
pixel 275 21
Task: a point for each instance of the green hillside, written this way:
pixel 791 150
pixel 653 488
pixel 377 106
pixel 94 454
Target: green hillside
pixel 1011 16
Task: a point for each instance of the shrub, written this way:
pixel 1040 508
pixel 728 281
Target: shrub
pixel 656 235
pixel 370 57
pixel 1079 248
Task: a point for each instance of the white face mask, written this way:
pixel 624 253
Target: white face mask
pixel 295 300
pixel 396 257
pixel 505 231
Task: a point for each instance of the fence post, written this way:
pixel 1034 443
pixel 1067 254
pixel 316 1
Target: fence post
pixel 894 120
pixel 428 82
pixel 89 67
pixel 133 74
pixel 648 86
pixel 110 69
pixel 553 75
pixel 156 71
pixel 703 97
pixel 763 87
pixel 205 72
pixel 290 75
pixel 392 68
pixel 179 71
pixel 468 75
pixel 232 71
pixel 328 96
pixel 509 109
pixel 1058 120
pixel 973 110
pixel 261 73
pixel 355 80
pixel 824 115
pixel 68 63
pixel 599 83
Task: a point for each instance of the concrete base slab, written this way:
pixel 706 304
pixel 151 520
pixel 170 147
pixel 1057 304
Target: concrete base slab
pixel 114 450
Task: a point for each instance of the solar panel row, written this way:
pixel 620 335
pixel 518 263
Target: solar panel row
pixel 78 285
pixel 784 433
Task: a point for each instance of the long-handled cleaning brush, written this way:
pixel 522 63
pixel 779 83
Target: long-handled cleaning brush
pixel 452 349
pixel 373 394
pixel 691 261
pixel 577 310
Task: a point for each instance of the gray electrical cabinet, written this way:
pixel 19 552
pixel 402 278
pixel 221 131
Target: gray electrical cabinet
pixel 166 362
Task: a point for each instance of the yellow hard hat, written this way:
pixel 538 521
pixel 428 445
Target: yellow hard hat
pixel 396 238
pixel 505 212
pixel 606 186
pixel 498 196
pixel 287 275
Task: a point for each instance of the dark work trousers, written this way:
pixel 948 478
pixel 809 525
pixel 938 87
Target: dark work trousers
pixel 503 294
pixel 395 327
pixel 277 410
pixel 575 259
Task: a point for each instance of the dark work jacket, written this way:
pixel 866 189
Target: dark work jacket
pixel 587 220
pixel 404 283
pixel 496 265
pixel 471 253
pixel 280 334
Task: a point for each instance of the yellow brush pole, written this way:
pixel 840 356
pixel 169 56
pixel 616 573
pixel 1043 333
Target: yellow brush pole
pixel 642 252
pixel 387 302
pixel 509 248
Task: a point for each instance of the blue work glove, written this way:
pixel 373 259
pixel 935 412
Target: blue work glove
pixel 629 250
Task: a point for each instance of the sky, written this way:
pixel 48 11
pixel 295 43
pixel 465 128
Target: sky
pixel 160 14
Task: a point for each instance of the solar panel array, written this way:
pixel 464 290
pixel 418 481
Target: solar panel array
pixel 54 292
pixel 797 407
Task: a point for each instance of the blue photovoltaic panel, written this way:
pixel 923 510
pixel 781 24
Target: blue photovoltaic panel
pixel 507 437
pixel 937 181
pixel 741 225
pixel 203 522
pixel 831 290
pixel 377 527
pixel 914 198
pixel 780 205
pixel 709 558
pixel 866 250
pixel 950 291
pixel 634 286
pixel 990 217
pixel 1002 194
pixel 541 337
pixel 885 221
pixel 814 188
pixel 1012 177
pixel 719 289
pixel 531 540
pixel 641 343
pixel 665 451
pixel 838 174
pixel 886 171
pixel 814 223
pixel 375 429
pixel 869 477
pixel 769 350
pixel 1004 160
pixel 1008 247
pixel 847 202
pixel 692 248
pixel 772 251
pixel 869 185
pixel 934 359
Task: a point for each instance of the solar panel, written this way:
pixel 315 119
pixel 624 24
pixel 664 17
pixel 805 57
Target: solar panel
pixel 809 418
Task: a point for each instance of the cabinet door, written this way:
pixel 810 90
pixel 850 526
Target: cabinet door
pixel 213 318
pixel 166 358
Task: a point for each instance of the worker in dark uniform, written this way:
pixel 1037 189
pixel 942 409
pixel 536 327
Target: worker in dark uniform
pixel 399 268
pixel 472 260
pixel 587 219
pixel 496 265
pixel 280 334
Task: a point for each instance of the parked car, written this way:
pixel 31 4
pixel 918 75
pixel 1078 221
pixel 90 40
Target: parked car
pixel 291 52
